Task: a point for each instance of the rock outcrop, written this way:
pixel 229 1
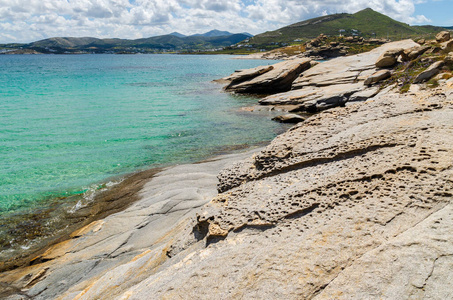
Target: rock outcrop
pixel 443 36
pixel 447 46
pixel 413 53
pixel 353 203
pixel 449 60
pixel 433 70
pixel 278 77
pixel 378 76
pixel 289 118
pixel 334 82
pixel 389 58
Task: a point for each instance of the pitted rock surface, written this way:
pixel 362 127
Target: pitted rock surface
pixel 354 203
pixel 359 207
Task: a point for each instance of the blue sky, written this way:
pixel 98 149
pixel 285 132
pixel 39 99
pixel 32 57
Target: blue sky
pixel 31 20
pixel 439 12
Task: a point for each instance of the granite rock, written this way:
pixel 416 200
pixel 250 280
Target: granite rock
pixel 431 71
pixel 443 36
pixel 354 203
pixel 334 82
pixel 447 46
pixel 378 76
pixel 413 53
pixel 289 118
pixel 278 79
pixel 389 58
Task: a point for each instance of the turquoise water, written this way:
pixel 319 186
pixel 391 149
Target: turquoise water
pixel 68 123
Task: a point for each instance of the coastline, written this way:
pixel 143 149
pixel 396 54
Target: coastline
pixel 351 187
pixel 162 197
pixel 56 207
pixel 105 202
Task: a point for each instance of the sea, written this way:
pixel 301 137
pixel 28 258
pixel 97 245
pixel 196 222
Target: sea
pixel 71 125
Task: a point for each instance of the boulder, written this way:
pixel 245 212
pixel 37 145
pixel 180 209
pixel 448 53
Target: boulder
pixel 421 41
pixel 378 76
pixel 447 46
pixel 449 60
pixel 413 53
pixel 388 58
pixel 289 118
pixel 433 70
pixel 278 79
pixel 443 36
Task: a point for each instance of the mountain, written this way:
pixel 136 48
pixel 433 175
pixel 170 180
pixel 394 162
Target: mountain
pixel 169 42
pixel 213 33
pixel 367 23
pixel 177 34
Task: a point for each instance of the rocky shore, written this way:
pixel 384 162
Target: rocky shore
pixel 354 202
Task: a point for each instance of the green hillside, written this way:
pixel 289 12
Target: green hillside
pixel 367 23
pixel 155 44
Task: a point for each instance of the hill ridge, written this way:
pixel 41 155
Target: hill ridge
pixel 367 23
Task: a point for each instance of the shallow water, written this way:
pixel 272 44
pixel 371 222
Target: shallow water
pixel 69 123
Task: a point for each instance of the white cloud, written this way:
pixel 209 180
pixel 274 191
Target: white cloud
pixel 29 20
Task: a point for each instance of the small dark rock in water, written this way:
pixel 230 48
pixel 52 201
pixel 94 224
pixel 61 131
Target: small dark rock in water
pixel 289 118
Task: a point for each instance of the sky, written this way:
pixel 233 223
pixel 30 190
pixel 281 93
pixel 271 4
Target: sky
pixel 23 21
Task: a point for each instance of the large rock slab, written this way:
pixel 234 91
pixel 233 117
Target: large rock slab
pixel 316 99
pixel 127 244
pixel 335 208
pixel 334 82
pixel 432 70
pixel 416 264
pixel 348 69
pixel 378 76
pixel 278 79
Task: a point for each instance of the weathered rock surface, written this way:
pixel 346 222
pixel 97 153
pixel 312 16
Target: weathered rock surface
pixel 443 36
pixel 314 98
pixel 289 118
pixel 447 46
pixel 128 244
pixel 388 58
pixel 449 59
pixel 433 70
pixel 278 79
pixel 334 82
pixel 378 76
pixel 336 208
pixel 413 53
pixel 354 203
